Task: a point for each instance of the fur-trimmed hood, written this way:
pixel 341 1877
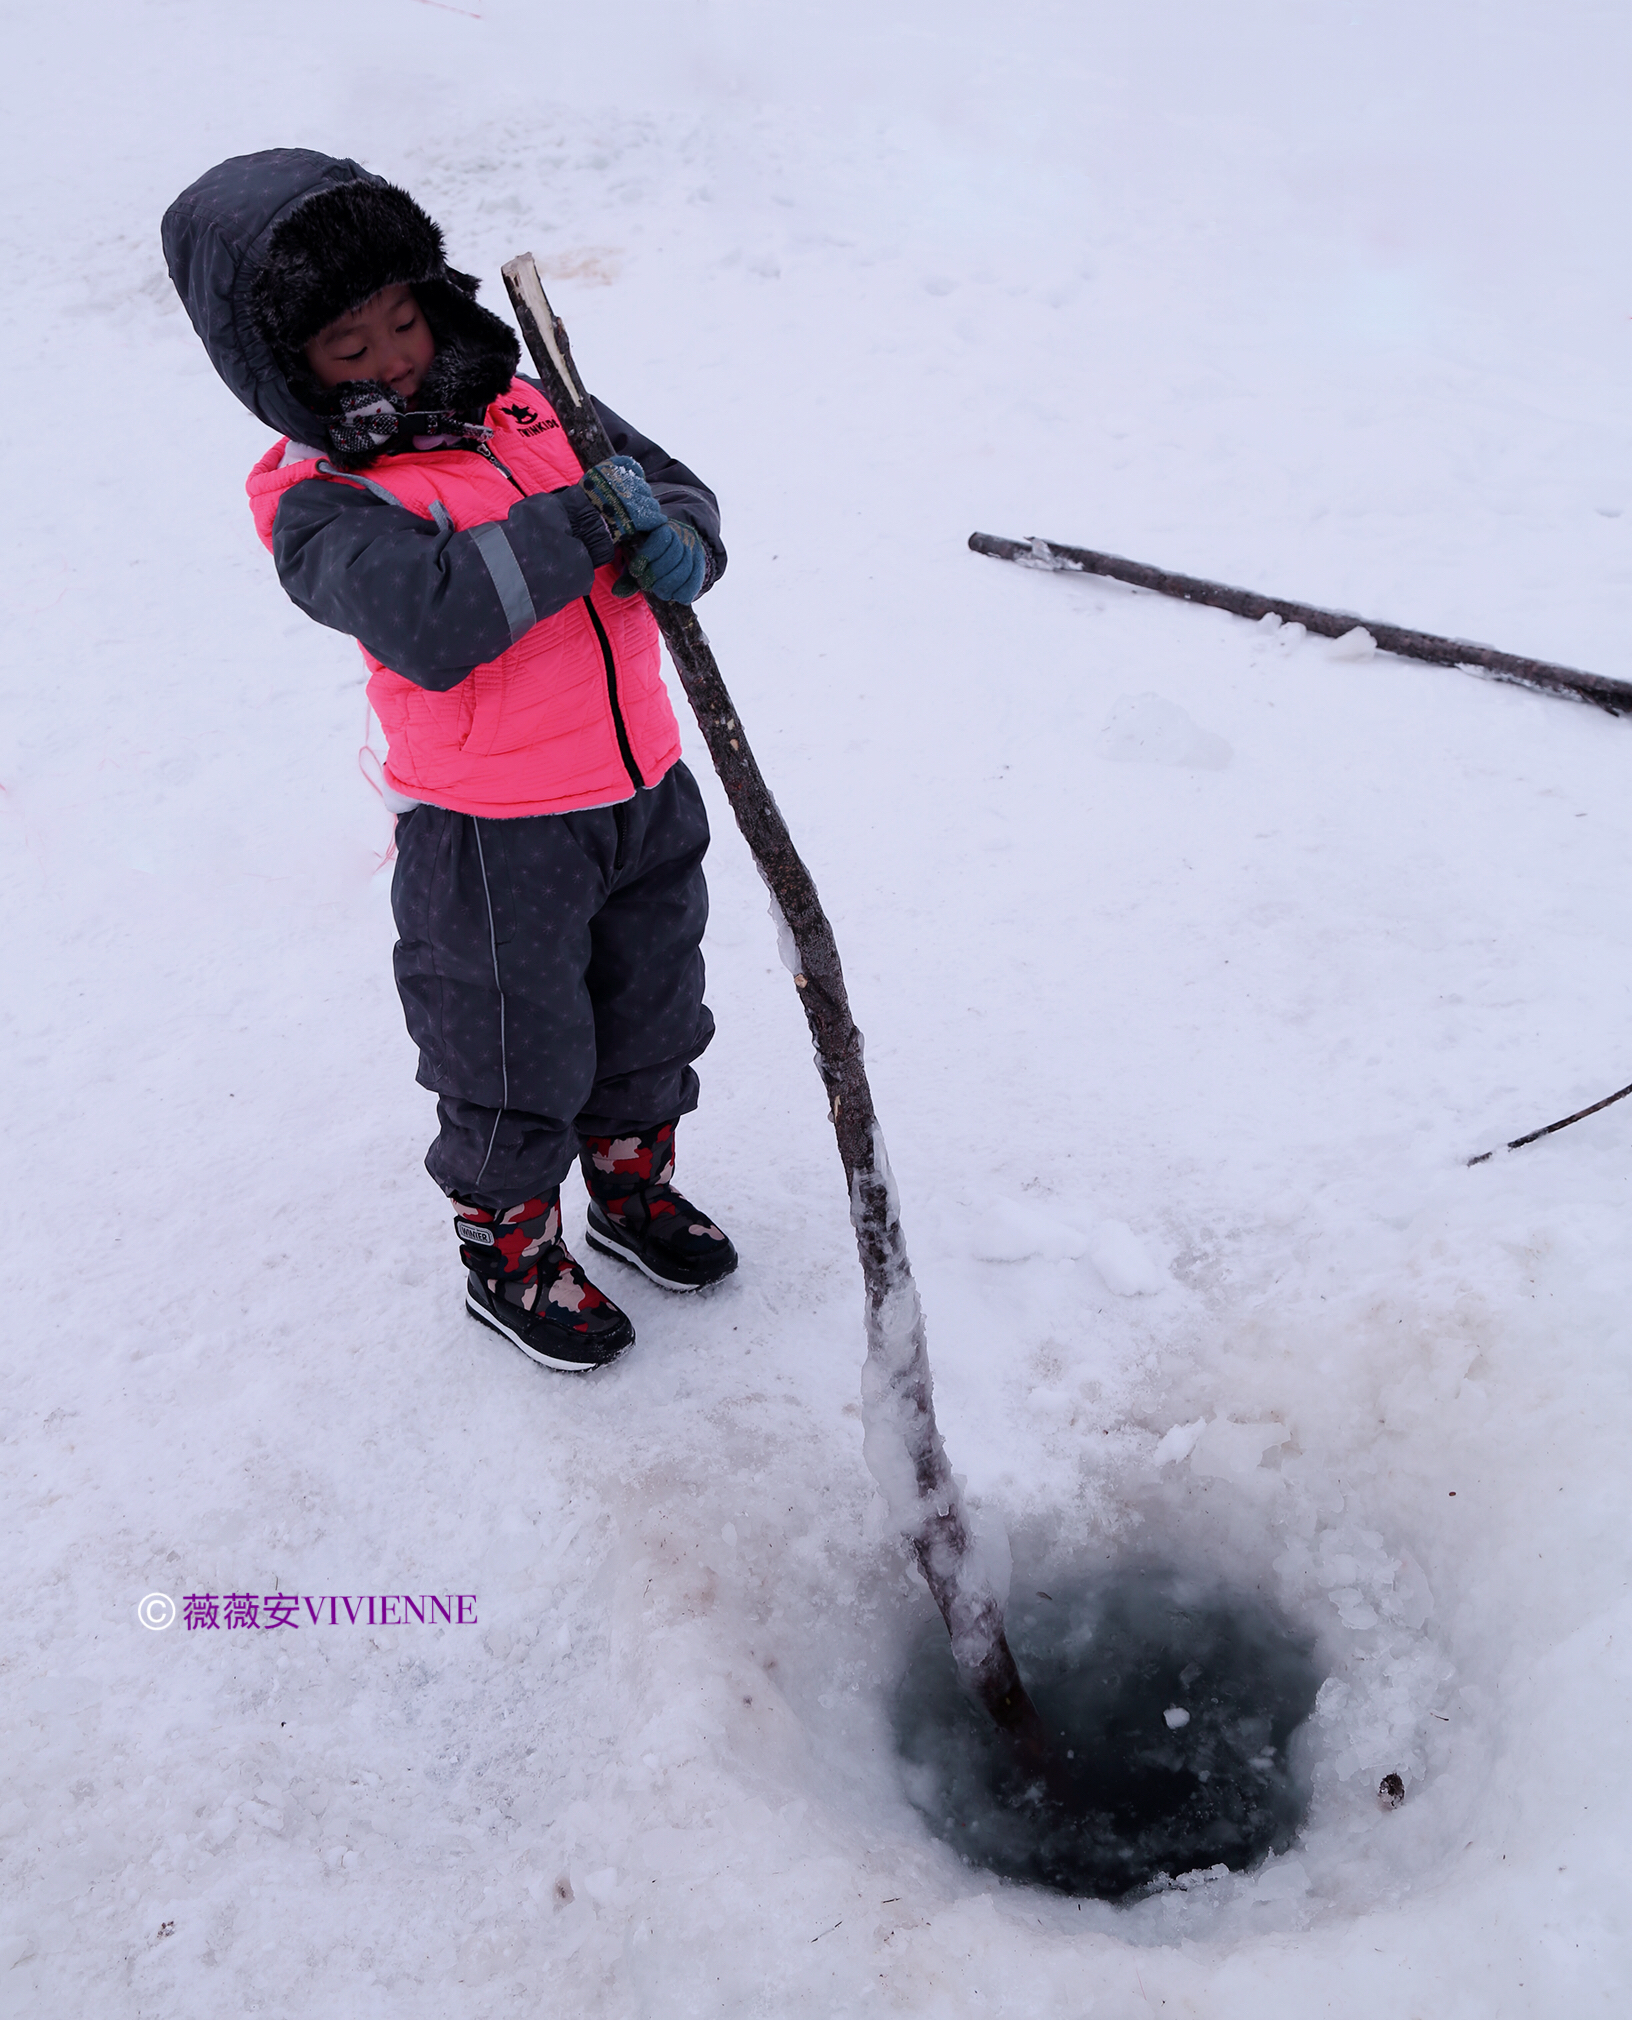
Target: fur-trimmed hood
pixel 266 249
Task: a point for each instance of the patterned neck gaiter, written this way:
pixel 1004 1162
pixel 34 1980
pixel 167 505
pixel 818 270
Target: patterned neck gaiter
pixel 373 419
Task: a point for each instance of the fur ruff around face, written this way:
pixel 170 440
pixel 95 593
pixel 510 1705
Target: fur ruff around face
pixel 337 251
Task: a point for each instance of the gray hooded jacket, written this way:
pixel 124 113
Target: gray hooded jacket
pixel 419 595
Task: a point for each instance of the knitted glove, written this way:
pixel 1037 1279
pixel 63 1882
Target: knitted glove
pixel 619 492
pixel 670 564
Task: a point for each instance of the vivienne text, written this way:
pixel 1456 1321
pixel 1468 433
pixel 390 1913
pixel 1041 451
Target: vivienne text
pixel 364 1609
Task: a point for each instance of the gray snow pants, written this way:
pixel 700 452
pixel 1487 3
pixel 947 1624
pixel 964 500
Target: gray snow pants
pixel 551 972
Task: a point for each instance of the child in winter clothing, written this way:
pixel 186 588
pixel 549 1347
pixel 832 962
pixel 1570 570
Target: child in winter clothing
pixel 549 892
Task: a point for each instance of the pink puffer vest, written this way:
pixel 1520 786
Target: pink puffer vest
pixel 533 731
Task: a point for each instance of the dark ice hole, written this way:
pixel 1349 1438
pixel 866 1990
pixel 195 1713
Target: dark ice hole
pixel 1131 1798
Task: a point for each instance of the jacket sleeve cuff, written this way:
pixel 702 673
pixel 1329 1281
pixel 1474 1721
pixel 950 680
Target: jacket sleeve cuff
pixel 556 547
pixel 589 526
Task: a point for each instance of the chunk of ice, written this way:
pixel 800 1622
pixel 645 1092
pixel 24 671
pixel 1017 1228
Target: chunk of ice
pixel 1123 1261
pixel 1179 1443
pixel 1355 644
pixel 1228 1451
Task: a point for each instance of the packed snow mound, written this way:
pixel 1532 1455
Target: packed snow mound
pixel 1124 1261
pixel 1146 729
pixel 1012 1231
pixel 1229 1451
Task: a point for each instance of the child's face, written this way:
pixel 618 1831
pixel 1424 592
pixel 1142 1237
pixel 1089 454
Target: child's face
pixel 386 340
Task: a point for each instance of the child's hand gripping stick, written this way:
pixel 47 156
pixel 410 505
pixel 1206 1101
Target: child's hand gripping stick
pixel 618 490
pixel 662 556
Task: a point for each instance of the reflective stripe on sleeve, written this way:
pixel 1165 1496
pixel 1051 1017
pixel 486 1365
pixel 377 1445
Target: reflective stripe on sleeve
pixel 516 598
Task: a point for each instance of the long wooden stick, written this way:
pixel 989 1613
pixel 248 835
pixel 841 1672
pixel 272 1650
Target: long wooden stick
pixel 1614 696
pixel 1553 1128
pixel 903 1446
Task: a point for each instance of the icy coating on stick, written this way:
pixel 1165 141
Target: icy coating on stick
pixel 900 1440
pixel 904 1448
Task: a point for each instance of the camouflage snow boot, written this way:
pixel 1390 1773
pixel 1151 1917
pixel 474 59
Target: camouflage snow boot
pixel 524 1284
pixel 636 1215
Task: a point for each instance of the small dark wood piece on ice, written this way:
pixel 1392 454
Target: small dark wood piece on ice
pixel 1536 1135
pixel 1614 696
pixel 898 1389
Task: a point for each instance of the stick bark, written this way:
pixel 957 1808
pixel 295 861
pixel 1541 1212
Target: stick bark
pixel 1613 696
pixel 1552 1128
pixel 904 1448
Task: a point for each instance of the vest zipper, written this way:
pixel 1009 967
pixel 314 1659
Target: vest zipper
pixel 625 749
pixel 482 449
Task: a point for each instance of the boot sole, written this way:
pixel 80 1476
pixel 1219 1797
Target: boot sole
pixel 608 1246
pixel 487 1319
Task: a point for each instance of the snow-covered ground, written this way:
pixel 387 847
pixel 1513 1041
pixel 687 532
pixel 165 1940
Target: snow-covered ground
pixel 1213 991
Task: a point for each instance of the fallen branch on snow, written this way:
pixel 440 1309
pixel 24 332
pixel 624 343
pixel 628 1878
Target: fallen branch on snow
pixel 1613 696
pixel 1536 1135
